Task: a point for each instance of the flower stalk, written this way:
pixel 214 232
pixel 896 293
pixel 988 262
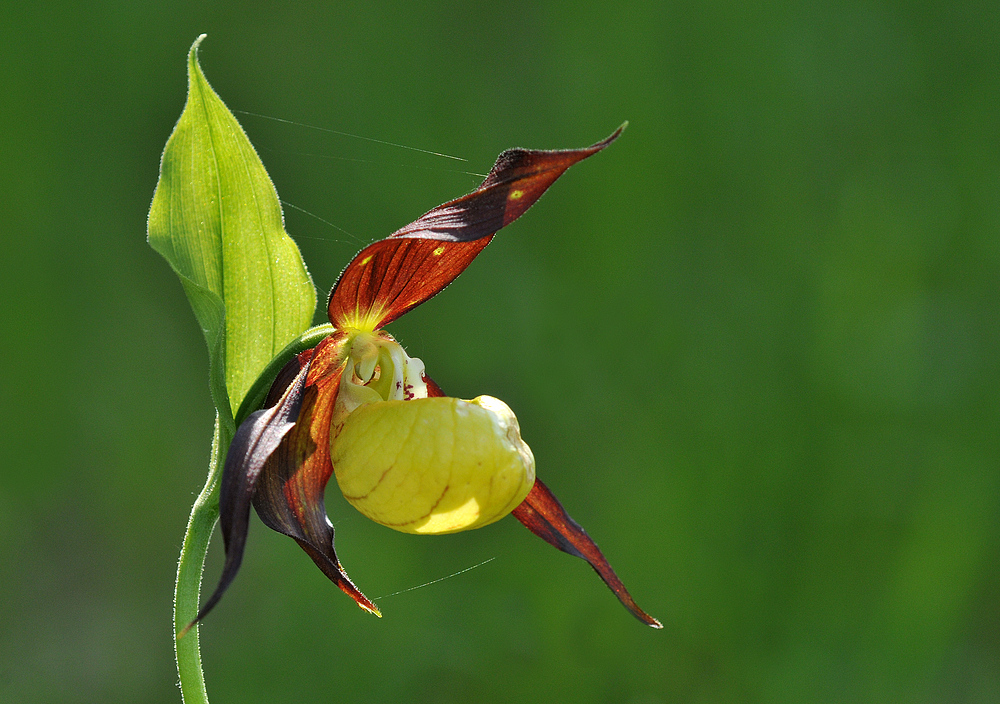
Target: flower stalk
pixel 187 589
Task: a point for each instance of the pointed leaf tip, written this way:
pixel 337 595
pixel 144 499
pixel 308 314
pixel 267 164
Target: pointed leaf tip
pixel 216 218
pixel 197 43
pixel 194 68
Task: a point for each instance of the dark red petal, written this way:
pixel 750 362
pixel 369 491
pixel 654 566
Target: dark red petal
pixel 544 516
pixel 432 388
pixel 286 376
pixel 289 494
pixel 393 275
pixel 255 440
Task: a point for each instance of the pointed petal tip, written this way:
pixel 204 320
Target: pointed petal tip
pixel 609 139
pixel 347 586
pixel 543 515
pixel 647 619
pixel 611 579
pixel 370 608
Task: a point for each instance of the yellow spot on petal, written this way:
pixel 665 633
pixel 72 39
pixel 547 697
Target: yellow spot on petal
pixel 515 194
pixel 439 251
pixel 366 260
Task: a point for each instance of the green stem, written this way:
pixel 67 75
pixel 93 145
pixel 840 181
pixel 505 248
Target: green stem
pixel 201 523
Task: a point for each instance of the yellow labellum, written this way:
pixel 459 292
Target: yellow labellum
pixel 433 465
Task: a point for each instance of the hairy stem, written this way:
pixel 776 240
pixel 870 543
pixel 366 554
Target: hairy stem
pixel 201 523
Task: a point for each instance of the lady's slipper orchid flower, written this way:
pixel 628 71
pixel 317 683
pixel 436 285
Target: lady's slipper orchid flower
pixel 357 406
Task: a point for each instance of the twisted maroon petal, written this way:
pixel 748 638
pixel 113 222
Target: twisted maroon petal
pixel 393 275
pixel 543 515
pixel 255 440
pixel 289 495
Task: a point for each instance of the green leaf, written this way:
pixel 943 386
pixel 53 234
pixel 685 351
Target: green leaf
pixel 216 219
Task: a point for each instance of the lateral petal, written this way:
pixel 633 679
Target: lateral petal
pixel 543 515
pixel 398 273
pixel 255 440
pixel 289 494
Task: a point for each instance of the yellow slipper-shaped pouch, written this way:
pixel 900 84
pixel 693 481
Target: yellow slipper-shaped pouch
pixel 433 465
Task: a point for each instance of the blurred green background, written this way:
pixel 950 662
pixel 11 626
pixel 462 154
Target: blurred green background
pixel 753 347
